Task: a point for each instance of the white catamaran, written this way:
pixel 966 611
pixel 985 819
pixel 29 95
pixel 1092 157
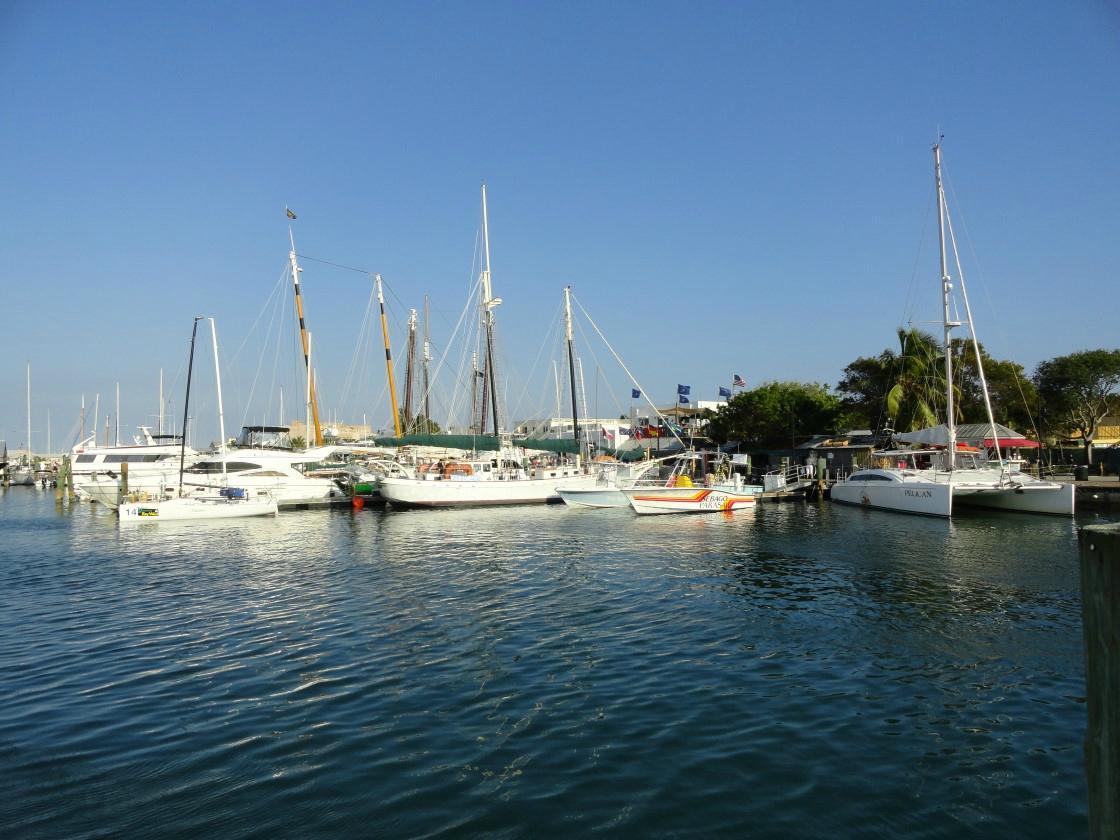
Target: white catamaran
pixel 934 481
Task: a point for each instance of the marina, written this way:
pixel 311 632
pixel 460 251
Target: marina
pixel 526 421
pixel 541 670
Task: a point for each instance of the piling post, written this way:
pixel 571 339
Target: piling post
pixel 1100 614
pixel 60 480
pixel 71 496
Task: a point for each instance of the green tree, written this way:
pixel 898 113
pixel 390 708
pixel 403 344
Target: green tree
pixel 1013 395
pixel 1078 390
pixel 863 390
pixel 776 414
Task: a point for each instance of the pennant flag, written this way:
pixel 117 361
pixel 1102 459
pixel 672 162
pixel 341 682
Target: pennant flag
pixel 607 433
pixel 683 390
pixel 291 215
pixel 635 393
pixel 683 400
pixel 738 381
pixel 724 392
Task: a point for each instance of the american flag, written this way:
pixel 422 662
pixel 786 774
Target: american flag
pixel 738 381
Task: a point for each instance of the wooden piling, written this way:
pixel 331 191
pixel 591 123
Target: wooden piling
pixel 71 496
pixel 1100 613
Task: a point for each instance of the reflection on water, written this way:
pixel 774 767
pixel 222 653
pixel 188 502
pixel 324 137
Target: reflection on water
pixel 796 669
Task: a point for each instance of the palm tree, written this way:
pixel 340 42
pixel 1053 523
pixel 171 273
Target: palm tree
pixel 919 382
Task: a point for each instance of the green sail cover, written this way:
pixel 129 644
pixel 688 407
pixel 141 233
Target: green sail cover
pixel 550 445
pixel 475 442
pixel 478 443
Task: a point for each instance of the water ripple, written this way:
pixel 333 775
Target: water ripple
pixel 796 670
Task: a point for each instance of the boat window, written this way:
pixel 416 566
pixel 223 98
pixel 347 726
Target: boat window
pixel 266 474
pixel 867 476
pixel 85 459
pixel 216 467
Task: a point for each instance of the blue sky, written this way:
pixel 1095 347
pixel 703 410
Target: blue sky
pixel 729 188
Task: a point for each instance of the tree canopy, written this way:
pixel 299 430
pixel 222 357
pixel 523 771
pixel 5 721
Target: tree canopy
pixel 1078 390
pixel 776 414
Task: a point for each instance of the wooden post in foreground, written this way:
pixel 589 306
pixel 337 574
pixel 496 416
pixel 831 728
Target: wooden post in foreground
pixel 1100 613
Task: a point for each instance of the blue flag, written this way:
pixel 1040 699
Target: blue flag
pixel 683 390
pixel 635 393
pixel 724 392
pixel 682 399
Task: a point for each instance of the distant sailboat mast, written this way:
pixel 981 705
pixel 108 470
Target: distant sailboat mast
pixel 186 404
pixel 221 414
pixel 29 414
pixel 388 357
pixel 305 338
pixel 488 303
pixel 572 368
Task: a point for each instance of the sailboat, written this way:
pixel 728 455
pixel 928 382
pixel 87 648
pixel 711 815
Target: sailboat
pixel 935 481
pixel 500 477
pixel 228 502
pixel 23 474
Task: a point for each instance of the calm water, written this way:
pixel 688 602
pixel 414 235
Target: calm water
pixel 792 671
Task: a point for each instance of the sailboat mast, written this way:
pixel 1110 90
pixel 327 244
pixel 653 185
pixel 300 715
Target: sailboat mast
pixel 305 340
pixel 488 303
pixel 218 380
pixel 186 405
pixel 572 367
pixel 427 362
pixel 160 422
pixel 388 357
pixel 117 417
pixel 949 324
pixel 410 370
pixel 29 414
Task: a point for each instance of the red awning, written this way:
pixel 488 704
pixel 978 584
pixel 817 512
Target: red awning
pixel 1022 443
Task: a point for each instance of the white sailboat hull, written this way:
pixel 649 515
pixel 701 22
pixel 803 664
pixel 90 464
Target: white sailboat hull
pixel 467 492
pixel 195 508
pixel 593 497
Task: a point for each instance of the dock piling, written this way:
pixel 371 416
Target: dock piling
pixel 1100 610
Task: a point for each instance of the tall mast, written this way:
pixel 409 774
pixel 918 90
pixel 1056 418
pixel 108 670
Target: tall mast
pixel 159 426
pixel 186 404
pixel 388 357
pixel 410 370
pixel 218 381
pixel 117 418
pixel 82 435
pixel 427 361
pixel 305 340
pixel 949 324
pixel 488 303
pixel 96 416
pixel 571 367
pixel 29 414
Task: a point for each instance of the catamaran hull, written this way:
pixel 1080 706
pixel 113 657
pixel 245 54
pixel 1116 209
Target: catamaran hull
pixel 656 500
pixel 927 499
pixel 1055 499
pixel 195 509
pixel 940 498
pixel 412 492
